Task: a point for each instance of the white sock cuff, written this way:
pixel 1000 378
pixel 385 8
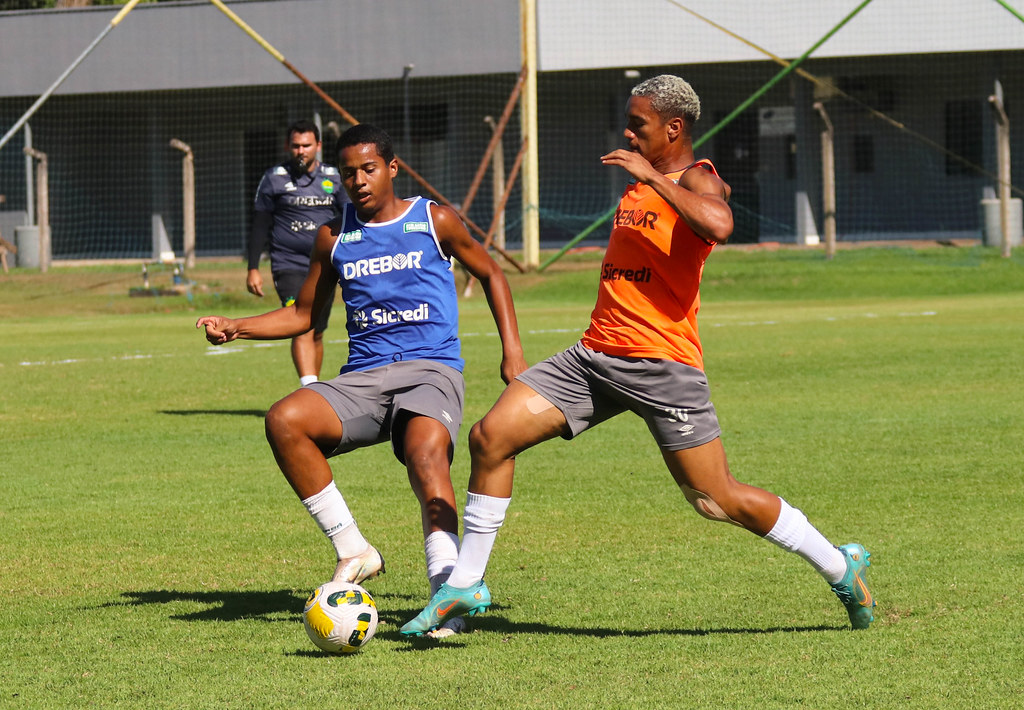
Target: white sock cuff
pixel 481 519
pixel 790 528
pixel 315 502
pixel 306 379
pixel 483 514
pixel 329 510
pixel 441 549
pixel 793 532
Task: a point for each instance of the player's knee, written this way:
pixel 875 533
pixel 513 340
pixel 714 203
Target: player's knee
pixel 427 463
pixel 482 441
pixel 706 506
pixel 477 439
pixel 282 421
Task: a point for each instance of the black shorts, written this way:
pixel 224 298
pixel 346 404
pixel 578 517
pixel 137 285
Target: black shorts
pixel 288 283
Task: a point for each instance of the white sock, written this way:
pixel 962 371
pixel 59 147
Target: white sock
pixel 792 532
pixel 330 512
pixel 306 379
pixel 481 519
pixel 441 549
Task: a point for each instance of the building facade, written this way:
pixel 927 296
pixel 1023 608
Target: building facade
pixel 905 87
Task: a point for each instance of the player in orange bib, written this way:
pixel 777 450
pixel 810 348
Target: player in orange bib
pixel 649 295
pixel 641 353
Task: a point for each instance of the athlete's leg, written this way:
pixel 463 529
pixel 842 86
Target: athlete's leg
pixel 302 428
pixel 308 353
pixel 703 474
pixel 318 351
pixel 428 448
pixel 518 420
pixel 319 326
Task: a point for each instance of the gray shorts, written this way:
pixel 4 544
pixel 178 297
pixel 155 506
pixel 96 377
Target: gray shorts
pixel 288 283
pixel 588 387
pixel 368 402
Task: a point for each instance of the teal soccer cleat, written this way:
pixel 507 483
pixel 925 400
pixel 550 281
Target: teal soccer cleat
pixel 851 589
pixel 446 603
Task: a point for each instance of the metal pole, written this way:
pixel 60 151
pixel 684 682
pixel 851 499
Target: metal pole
pixel 406 118
pixel 67 72
pixel 497 131
pixel 499 209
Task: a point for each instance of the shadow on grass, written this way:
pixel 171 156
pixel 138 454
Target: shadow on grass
pixel 261 413
pixel 225 605
pixel 281 605
pixel 503 626
pixel 498 625
pixel 285 605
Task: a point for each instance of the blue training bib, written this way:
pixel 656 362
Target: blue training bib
pixel 399 290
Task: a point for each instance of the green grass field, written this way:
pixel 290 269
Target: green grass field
pixel 152 556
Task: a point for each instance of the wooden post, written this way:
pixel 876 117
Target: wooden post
pixel 499 209
pixel 30 190
pixel 497 131
pixel 1003 159
pixel 498 185
pixel 528 121
pixel 828 181
pixel 42 208
pixel 188 202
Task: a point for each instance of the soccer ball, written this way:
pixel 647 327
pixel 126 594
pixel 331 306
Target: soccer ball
pixel 340 617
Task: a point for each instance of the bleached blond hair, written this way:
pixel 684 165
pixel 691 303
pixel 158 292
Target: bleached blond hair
pixel 671 96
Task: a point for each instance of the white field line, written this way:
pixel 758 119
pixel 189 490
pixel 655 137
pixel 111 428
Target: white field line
pixel 240 347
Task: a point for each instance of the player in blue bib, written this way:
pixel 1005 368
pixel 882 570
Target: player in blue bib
pixel 403 380
pixel 399 289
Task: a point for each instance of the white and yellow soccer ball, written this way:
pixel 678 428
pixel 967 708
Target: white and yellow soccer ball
pixel 340 617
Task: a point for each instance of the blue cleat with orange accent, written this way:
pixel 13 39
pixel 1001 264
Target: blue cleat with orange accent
pixel 851 589
pixel 449 602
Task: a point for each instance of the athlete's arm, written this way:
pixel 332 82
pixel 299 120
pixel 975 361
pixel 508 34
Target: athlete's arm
pixel 700 197
pixel 262 222
pixel 457 242
pixel 292 320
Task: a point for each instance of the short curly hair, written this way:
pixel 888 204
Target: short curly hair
pixel 671 96
pixel 366 133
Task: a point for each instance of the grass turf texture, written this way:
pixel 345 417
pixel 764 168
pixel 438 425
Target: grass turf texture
pixel 153 556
